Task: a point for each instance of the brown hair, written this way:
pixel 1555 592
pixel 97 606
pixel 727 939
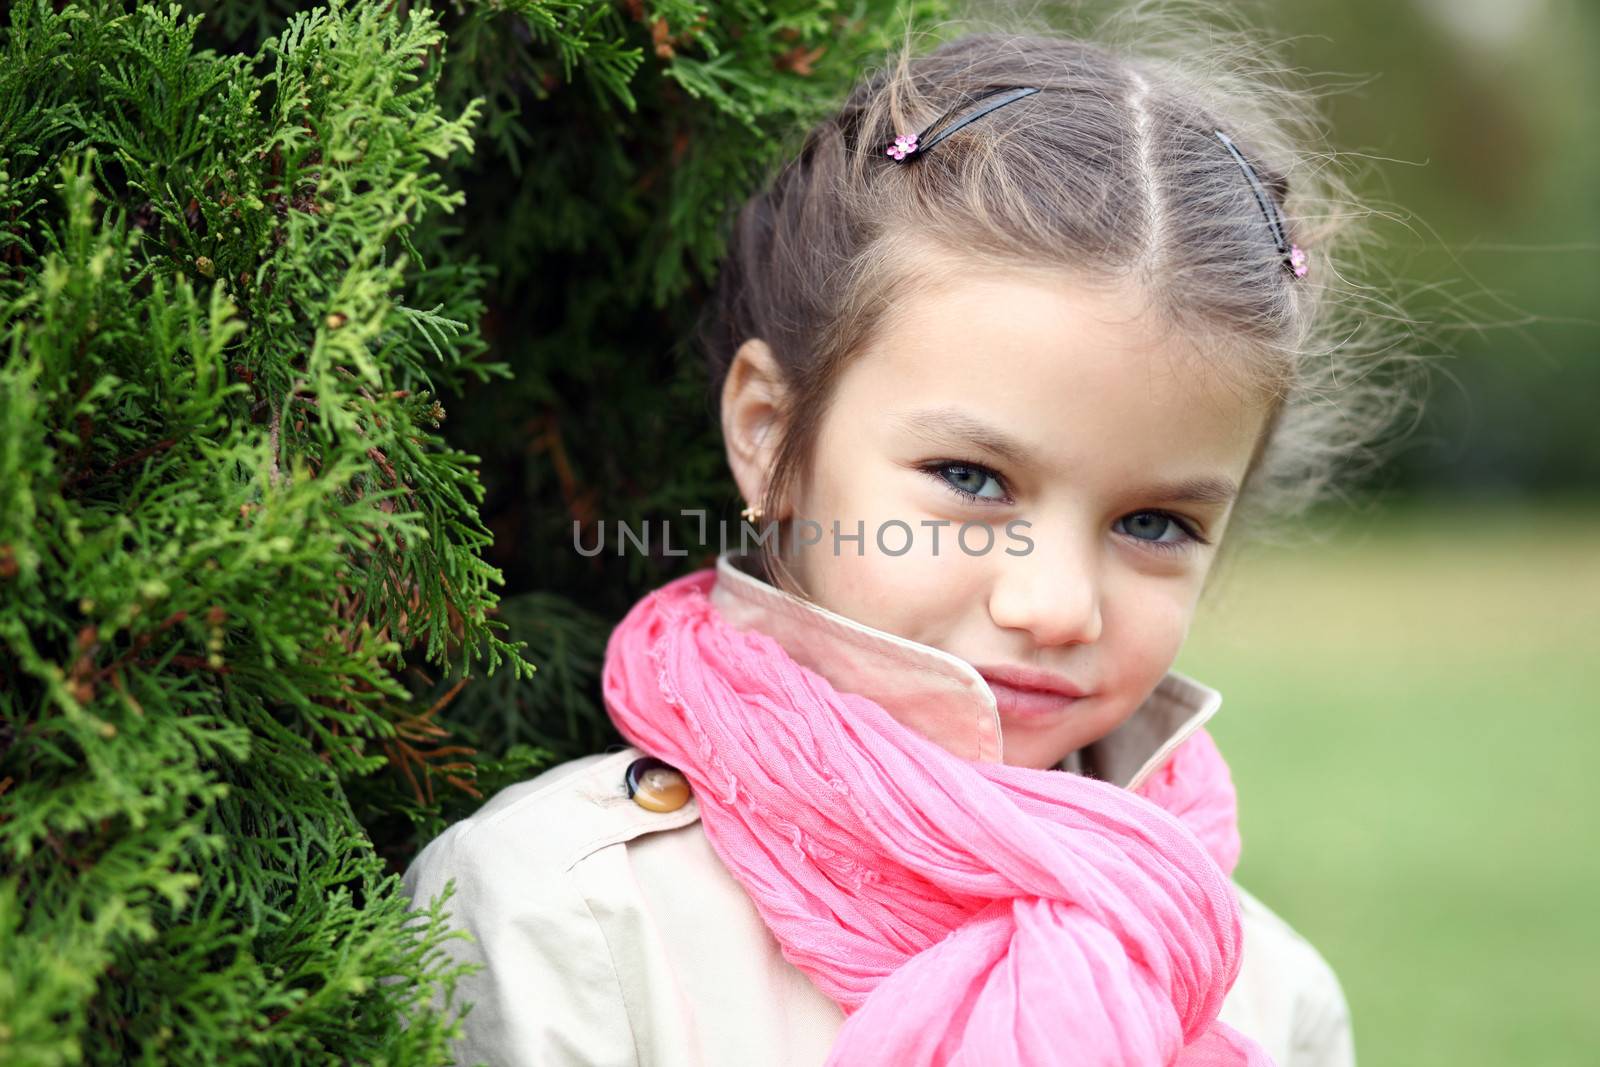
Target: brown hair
pixel 1111 174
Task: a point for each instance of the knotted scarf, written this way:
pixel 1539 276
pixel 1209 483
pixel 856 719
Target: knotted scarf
pixel 957 911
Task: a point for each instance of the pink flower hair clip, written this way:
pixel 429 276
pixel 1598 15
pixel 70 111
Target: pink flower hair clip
pixel 1297 260
pixel 904 145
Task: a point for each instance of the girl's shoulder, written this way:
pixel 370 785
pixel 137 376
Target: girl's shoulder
pixel 547 824
pixel 532 887
pixel 1286 994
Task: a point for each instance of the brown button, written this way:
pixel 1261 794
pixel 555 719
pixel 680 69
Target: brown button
pixel 656 785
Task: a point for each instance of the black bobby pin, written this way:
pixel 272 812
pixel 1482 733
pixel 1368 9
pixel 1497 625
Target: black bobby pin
pixel 1293 256
pixel 906 147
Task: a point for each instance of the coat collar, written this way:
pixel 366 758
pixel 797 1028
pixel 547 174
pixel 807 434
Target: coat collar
pixel 940 695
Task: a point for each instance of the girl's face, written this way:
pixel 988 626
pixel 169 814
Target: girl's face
pixel 1054 417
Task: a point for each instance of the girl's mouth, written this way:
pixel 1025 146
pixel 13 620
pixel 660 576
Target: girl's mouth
pixel 1017 702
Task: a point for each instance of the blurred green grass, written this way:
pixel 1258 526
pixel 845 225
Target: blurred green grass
pixel 1411 708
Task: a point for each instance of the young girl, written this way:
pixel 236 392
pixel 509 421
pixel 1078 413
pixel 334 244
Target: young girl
pixel 1024 329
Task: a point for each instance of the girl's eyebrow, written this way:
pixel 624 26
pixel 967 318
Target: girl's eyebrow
pixel 1205 489
pixel 940 425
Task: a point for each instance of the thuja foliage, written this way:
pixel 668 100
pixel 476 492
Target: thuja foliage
pixel 253 646
pixel 225 513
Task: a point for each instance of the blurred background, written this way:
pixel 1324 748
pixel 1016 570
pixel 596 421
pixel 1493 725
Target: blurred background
pixel 1412 693
pixel 1409 710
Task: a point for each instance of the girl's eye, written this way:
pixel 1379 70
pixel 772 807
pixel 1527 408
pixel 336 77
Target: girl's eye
pixel 1158 522
pixel 968 479
pixel 1168 533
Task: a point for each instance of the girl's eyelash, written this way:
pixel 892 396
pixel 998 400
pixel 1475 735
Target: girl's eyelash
pixel 1194 540
pixel 933 469
pixel 1192 535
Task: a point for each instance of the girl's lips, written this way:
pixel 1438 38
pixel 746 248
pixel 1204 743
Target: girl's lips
pixel 1015 703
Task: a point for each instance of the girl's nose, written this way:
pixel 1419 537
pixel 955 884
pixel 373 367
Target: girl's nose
pixel 1052 591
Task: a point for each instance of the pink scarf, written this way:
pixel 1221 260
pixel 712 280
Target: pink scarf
pixel 958 912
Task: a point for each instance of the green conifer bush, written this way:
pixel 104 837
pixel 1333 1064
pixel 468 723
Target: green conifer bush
pixel 269 618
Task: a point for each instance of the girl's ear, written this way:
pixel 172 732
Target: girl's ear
pixel 752 409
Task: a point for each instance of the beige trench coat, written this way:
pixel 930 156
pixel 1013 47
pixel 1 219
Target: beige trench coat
pixel 612 935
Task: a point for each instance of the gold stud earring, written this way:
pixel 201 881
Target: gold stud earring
pixel 751 512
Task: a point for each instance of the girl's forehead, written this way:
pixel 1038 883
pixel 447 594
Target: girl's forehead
pixel 939 284
pixel 1063 372
pixel 1039 340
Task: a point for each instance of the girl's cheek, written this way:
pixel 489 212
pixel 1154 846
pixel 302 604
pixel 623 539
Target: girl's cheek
pixel 1156 623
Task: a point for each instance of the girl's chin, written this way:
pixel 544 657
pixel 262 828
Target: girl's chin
pixel 1042 744
pixel 1038 761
